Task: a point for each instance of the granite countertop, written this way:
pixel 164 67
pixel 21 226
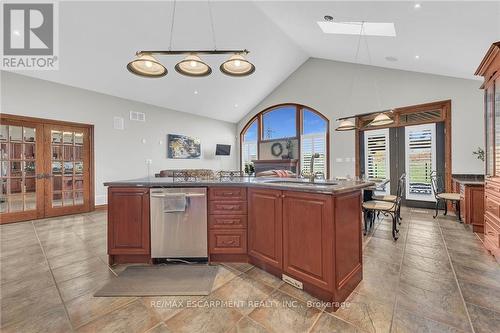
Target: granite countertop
pixel 328 187
pixel 469 179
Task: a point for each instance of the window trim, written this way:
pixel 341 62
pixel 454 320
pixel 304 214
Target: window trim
pixel 299 108
pixel 445 107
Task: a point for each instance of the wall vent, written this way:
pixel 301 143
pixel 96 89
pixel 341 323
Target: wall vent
pixel 137 116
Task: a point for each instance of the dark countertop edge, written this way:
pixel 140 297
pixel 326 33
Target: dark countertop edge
pixel 468 179
pixel 322 189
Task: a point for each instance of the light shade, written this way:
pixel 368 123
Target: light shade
pixel 147 66
pixel 381 119
pixel 346 125
pixel 237 65
pixel 193 66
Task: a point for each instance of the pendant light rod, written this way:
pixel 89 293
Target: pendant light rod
pixel 179 52
pixel 365 114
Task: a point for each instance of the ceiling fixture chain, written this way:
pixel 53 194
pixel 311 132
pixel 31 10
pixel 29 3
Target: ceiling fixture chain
pixel 172 26
pixel 212 23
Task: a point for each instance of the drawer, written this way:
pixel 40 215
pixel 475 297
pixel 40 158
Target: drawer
pixel 492 205
pixel 228 241
pixel 491 233
pixel 227 207
pixel 227 221
pixel 227 193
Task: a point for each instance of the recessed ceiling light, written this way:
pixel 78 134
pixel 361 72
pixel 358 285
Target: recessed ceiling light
pixel 196 92
pixel 354 28
pixel 391 59
pixel 235 105
pixel 417 5
pixel 16 32
pixel 417 57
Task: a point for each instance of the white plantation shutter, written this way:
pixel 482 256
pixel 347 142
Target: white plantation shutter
pixel 249 152
pixel 377 155
pixel 311 144
pixel 420 161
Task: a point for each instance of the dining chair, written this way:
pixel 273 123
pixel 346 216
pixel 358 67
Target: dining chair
pixel 441 196
pixel 392 208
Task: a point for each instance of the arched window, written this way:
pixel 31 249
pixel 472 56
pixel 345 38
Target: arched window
pixel 301 130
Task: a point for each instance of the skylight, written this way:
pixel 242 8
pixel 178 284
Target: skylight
pixel 354 28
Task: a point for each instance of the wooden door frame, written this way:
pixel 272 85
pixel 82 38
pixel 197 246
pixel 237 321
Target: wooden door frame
pixel 44 121
pixel 444 106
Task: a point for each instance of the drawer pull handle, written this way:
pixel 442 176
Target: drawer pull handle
pixel 227 221
pixel 231 242
pixel 228 207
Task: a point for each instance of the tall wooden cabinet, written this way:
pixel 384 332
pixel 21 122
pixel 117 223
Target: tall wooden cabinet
pixel 490 70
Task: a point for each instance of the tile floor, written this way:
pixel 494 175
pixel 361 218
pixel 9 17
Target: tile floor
pixel 435 278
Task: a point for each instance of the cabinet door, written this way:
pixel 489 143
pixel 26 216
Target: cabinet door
pixel 128 221
pixel 308 237
pixel 265 226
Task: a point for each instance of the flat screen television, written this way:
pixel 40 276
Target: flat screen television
pixel 223 150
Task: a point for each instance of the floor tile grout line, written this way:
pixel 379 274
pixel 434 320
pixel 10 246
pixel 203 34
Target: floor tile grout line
pixel 410 220
pixel 53 278
pixel 456 279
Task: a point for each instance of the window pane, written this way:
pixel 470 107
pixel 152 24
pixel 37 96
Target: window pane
pixel 279 123
pixel 311 144
pixel 420 161
pixel 251 133
pixel 377 156
pixel 312 123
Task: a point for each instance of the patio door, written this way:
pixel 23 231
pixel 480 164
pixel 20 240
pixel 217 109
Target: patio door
pixel 45 168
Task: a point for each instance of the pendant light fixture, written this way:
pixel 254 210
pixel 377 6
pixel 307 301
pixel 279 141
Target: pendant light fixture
pixel 193 66
pixel 380 120
pixel 237 65
pixel 345 125
pixel 146 65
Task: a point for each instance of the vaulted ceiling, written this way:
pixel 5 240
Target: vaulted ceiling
pixel 98 39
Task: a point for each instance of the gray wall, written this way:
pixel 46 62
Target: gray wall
pixel 119 154
pixel 326 86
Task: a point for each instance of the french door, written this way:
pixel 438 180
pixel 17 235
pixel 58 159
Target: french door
pixel 45 168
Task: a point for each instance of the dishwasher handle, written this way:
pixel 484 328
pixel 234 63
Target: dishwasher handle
pixel 188 195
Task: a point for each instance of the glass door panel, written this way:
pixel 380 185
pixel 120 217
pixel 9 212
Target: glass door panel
pixel 18 171
pixel 489 143
pixel 495 104
pixel 44 169
pixel 69 188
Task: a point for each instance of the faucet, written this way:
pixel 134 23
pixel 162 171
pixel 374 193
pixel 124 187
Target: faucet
pixel 312 175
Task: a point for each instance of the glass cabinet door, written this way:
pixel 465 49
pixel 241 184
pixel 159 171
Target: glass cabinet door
pixel 489 143
pixel 495 104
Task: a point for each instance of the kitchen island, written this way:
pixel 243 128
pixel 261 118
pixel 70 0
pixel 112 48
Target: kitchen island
pixel 309 232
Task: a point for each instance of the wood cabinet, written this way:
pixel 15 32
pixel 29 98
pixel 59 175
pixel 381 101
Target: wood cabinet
pixel 128 225
pixel 307 237
pixel 265 227
pixel 313 238
pixel 227 224
pixel 489 69
pixel 472 202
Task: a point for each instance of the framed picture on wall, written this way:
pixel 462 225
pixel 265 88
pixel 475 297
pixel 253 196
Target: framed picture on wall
pixel 183 147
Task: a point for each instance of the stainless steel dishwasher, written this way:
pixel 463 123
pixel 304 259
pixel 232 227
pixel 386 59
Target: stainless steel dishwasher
pixel 179 223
